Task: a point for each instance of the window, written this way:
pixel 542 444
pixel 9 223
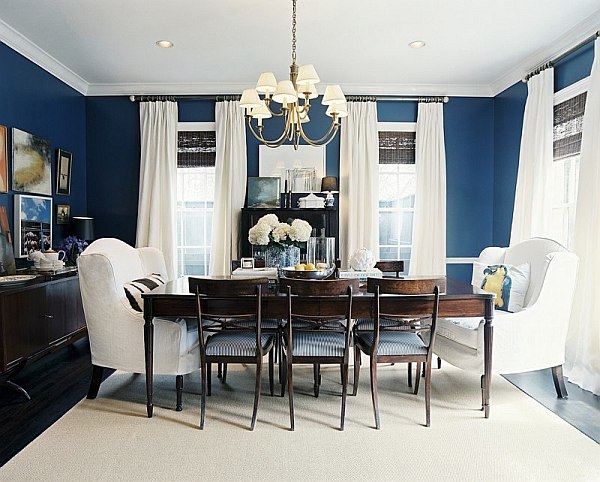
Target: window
pixel 397 185
pixel 568 125
pixel 196 152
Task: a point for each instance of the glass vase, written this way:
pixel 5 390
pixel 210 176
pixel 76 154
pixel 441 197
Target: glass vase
pixel 282 257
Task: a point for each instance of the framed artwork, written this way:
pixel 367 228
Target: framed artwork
pixel 299 170
pixel 7 255
pixel 263 192
pixel 33 224
pixel 31 163
pixel 3 161
pixel 63 214
pixel 64 160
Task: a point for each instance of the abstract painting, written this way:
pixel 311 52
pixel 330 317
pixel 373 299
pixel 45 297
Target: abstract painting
pixel 300 170
pixel 32 170
pixel 33 224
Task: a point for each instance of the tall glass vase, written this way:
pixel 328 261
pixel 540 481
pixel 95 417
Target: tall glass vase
pixel 282 257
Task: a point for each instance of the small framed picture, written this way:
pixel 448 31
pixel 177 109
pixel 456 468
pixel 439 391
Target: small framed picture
pixel 3 161
pixel 63 214
pixel 64 160
pixel 33 224
pixel 247 263
pixel 263 192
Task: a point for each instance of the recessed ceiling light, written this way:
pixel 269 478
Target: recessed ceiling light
pixel 417 44
pixel 165 44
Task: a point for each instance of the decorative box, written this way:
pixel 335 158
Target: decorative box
pixel 311 201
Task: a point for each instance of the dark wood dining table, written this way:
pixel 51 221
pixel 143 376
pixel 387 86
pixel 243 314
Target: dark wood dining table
pixel 459 300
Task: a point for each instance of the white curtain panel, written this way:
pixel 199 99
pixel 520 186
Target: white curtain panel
pixel 533 196
pixel 359 173
pixel 230 186
pixel 428 254
pixel 583 341
pixel 158 180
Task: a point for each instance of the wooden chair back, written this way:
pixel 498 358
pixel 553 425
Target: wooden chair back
pixel 216 310
pixel 407 304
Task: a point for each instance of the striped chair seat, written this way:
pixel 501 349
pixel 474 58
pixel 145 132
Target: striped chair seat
pixel 395 343
pixel 235 343
pixel 318 343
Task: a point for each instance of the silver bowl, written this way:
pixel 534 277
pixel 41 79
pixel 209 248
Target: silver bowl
pixel 318 274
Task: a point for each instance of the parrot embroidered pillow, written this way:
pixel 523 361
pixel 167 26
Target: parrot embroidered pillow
pixel 509 283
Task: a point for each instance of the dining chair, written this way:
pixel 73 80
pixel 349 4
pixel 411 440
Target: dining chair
pixel 411 336
pixel 318 330
pixel 229 329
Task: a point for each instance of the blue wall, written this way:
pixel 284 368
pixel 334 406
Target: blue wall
pixel 482 147
pixel 33 100
pixel 113 172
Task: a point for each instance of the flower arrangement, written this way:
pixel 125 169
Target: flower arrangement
pixel 73 247
pixel 268 231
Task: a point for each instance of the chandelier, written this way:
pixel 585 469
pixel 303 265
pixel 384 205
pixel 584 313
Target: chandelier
pixel 294 95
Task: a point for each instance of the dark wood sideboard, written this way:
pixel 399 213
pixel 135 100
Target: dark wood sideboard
pixel 318 218
pixel 37 318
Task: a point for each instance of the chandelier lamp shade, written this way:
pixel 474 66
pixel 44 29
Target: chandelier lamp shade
pixel 294 96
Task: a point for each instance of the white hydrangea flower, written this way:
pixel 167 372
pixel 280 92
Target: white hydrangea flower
pixel 270 219
pixel 281 232
pixel 259 234
pixel 300 230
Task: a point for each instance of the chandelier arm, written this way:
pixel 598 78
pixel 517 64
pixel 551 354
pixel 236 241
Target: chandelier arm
pixel 279 141
pixel 276 114
pixel 319 143
pixel 333 128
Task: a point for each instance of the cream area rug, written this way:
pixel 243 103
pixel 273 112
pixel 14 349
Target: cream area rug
pixel 110 438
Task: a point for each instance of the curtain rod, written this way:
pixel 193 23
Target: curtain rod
pixel 552 63
pixel 219 98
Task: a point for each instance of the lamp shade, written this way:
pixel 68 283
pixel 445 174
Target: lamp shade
pixel 333 95
pixel 266 83
pixel 83 227
pixel 249 99
pixel 307 75
pixel 285 93
pixel 329 184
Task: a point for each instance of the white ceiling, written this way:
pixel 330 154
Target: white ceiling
pixel 474 47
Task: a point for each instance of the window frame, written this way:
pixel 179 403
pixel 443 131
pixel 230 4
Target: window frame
pixel 396 127
pixel 187 127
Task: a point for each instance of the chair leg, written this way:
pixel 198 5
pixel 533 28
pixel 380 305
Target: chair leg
pixel 317 378
pixel 179 389
pixel 271 370
pixel 342 373
pixel 282 372
pixel 427 394
pixel 219 370
pixel 374 394
pixel 224 379
pixel 559 382
pixel 208 379
pixel 410 374
pixel 344 394
pixel 290 387
pixel 256 392
pixel 439 363
pixel 203 369
pixel 357 358
pixel 417 378
pixel 423 373
pixel 97 373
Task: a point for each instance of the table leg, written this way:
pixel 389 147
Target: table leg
pixel 488 337
pixel 149 354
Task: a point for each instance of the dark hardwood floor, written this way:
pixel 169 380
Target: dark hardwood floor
pixel 61 379
pixel 55 383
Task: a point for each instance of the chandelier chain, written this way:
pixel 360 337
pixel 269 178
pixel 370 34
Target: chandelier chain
pixel 293 31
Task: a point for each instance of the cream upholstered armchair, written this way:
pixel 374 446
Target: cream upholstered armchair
pixel 532 338
pixel 116 329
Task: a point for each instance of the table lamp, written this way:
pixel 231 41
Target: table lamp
pixel 83 227
pixel 329 186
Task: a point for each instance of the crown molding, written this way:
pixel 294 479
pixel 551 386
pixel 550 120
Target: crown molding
pixel 216 88
pixel 565 42
pixel 32 52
